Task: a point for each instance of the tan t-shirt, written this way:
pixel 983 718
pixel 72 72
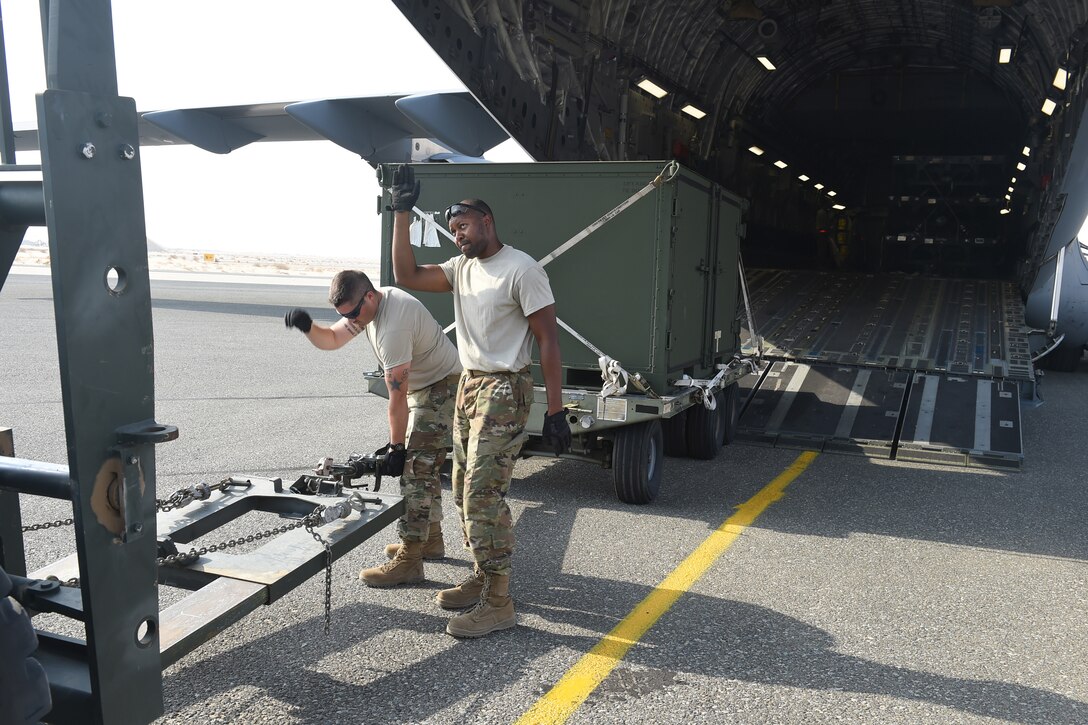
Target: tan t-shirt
pixel 404 331
pixel 491 300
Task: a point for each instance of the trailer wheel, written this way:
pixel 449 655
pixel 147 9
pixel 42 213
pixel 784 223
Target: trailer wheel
pixel 636 462
pixel 24 691
pixel 706 430
pixel 675 433
pixel 730 408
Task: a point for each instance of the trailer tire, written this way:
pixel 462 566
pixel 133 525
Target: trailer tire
pixel 24 690
pixel 706 430
pixel 637 455
pixel 675 433
pixel 730 407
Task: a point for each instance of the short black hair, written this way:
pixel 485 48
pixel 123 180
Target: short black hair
pixel 347 285
pixel 481 205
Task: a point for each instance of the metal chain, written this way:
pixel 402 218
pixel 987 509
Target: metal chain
pixel 309 521
pixel 182 497
pixel 73 582
pixel 328 568
pixel 177 499
pixel 197 553
pixel 49 525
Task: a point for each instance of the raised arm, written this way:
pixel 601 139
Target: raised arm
pixel 408 274
pixel 333 337
pixel 403 193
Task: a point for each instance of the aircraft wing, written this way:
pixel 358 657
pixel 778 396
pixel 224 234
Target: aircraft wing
pixel 443 126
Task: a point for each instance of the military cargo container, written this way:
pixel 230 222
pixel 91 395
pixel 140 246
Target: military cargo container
pixel 655 287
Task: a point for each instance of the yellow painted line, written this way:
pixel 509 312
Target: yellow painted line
pixel 570 692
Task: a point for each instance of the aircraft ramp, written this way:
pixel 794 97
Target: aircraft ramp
pixel 892 366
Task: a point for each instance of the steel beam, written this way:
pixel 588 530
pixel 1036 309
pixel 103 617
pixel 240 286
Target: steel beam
pixel 97 242
pixel 22 203
pixel 7 133
pixel 12 554
pixel 78 44
pixel 35 478
pixel 11 237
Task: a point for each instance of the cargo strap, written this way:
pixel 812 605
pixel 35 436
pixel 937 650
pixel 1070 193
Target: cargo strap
pixel 1053 338
pixel 753 336
pixel 615 378
pixel 705 389
pixel 428 220
pixel 667 174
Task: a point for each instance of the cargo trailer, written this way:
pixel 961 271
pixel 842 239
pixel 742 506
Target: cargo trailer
pixel 642 258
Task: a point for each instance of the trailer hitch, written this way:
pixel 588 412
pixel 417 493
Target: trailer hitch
pixel 331 477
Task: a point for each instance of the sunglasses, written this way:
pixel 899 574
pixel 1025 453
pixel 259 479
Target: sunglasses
pixel 459 209
pixel 356 310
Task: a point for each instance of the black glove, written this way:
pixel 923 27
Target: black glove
pixel 556 432
pixel 404 191
pixel 298 318
pixel 392 459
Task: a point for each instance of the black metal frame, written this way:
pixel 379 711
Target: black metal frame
pixel 90 197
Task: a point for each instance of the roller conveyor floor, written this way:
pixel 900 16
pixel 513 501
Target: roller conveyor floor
pixel 893 366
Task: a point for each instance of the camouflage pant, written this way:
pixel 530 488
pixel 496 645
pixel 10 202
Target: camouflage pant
pixel 430 420
pixel 488 432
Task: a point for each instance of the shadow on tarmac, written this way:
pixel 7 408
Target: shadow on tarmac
pixel 735 641
pixel 718 638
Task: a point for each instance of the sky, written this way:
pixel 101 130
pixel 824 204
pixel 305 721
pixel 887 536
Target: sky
pixel 310 198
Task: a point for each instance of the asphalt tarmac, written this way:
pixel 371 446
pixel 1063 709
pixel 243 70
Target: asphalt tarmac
pixel 868 591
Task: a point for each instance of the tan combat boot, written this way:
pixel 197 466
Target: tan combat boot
pixel 495 610
pixel 464 594
pixel 434 547
pixel 406 567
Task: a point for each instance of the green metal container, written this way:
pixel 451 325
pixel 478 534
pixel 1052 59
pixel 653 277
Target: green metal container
pixel 655 288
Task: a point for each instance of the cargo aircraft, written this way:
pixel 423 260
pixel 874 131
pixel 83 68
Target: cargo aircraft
pixel 916 172
pixel 916 177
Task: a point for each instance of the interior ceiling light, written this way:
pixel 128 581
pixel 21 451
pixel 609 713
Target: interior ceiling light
pixel 756 150
pixel 1003 211
pixel 1010 189
pixel 1061 78
pixel 781 164
pixel 1020 166
pixel 1049 106
pixel 818 185
pixel 839 207
pixel 1012 180
pixel 1004 55
pixel 652 88
pixel 765 62
pixel 1026 151
pixel 803 177
pixel 832 193
pixel 1008 197
pixel 694 112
